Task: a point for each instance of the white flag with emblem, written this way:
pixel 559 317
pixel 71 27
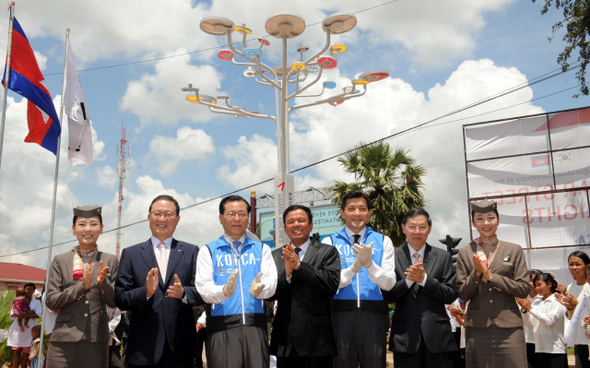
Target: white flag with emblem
pixel 79 130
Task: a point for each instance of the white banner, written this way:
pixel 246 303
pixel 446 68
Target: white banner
pixel 506 176
pixel 507 138
pixel 522 162
pixel 569 129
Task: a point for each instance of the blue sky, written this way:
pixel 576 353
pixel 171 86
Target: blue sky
pixel 135 56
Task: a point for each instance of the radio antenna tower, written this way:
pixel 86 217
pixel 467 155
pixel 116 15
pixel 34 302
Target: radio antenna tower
pixel 122 166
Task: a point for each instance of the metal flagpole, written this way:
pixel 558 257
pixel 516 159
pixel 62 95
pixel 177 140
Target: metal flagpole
pixel 7 76
pixel 53 203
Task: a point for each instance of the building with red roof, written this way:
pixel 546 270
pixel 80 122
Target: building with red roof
pixel 13 275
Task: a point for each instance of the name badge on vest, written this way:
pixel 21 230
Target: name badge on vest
pixel 506 261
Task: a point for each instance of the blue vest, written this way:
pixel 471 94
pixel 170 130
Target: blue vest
pixel 368 289
pixel 230 312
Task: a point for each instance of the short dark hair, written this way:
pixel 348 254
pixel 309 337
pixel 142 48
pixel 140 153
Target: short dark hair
pixel 417 212
pixel 295 207
pixel 232 198
pixel 30 284
pixel 547 278
pixel 583 256
pixel 76 217
pixel 355 194
pixel 165 197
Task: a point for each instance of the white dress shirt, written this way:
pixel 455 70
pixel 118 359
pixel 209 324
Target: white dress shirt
pixel 580 292
pixel 382 276
pixel 213 293
pixel 529 335
pixel 155 243
pixel 547 321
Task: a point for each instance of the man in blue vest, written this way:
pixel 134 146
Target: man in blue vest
pixel 359 311
pixel 235 274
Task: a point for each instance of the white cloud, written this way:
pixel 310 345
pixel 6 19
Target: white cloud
pixel 107 177
pixel 26 192
pixel 41 60
pixel 189 145
pixel 434 32
pixel 198 224
pixel 97 147
pixel 28 172
pixel 111 29
pixel 252 161
pixel 157 98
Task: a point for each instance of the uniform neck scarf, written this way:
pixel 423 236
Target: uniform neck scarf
pixel 481 244
pixel 78 263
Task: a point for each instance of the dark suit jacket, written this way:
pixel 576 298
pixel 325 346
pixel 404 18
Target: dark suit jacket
pixel 494 301
pixel 421 310
pixel 160 318
pixel 303 317
pixel 81 312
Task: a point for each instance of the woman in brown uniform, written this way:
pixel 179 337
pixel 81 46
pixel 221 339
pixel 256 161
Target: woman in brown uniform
pixel 490 274
pixel 80 284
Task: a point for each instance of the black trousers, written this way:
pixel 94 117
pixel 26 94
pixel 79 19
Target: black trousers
pixel 425 359
pixel 530 355
pixel 581 354
pixel 547 360
pixel 361 337
pixel 295 361
pixel 169 360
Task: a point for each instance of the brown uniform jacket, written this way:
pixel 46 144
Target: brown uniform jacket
pixel 493 302
pixel 81 312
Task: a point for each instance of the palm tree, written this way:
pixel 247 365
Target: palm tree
pixel 391 180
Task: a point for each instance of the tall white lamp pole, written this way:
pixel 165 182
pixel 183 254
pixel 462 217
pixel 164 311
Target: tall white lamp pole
pixel 284 27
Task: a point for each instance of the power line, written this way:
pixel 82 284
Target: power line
pixel 536 80
pixel 112 66
pixel 539 79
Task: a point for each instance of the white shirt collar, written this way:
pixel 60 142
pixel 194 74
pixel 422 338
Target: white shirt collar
pixel 350 233
pixel 156 241
pixel 303 248
pixel 230 241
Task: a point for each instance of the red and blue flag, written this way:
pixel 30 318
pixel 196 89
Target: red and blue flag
pixel 27 80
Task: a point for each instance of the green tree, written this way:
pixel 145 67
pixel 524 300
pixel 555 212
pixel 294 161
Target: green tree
pixel 6 298
pixel 576 20
pixel 390 178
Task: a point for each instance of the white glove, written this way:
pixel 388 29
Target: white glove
pixel 356 265
pixel 364 254
pixel 256 286
pixel 230 287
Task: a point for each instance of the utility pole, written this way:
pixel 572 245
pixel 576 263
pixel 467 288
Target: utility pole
pixel 122 166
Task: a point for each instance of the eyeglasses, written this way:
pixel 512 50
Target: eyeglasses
pixel 231 215
pixel 414 229
pixel 167 215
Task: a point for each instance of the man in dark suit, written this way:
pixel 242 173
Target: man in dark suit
pixel 309 274
pixel 421 333
pixel 156 282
